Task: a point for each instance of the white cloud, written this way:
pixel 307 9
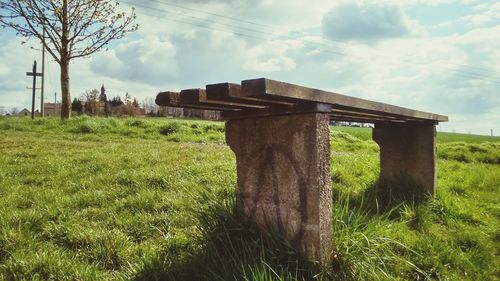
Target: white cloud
pixel 4 70
pixel 270 57
pixel 407 3
pixel 366 22
pixel 144 60
pixel 271 65
pixel 483 14
pixel 16 59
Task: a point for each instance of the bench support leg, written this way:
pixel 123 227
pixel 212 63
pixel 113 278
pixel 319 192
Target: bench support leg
pixel 283 167
pixel 407 152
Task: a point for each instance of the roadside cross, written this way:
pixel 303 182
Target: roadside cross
pixel 35 75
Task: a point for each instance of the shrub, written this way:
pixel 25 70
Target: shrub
pixel 137 123
pixel 5 126
pixel 170 128
pixel 84 128
pixel 214 127
pixel 86 125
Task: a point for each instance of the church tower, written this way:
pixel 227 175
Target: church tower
pixel 103 97
pixel 103 103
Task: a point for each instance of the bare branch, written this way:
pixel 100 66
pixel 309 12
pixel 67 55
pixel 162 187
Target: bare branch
pixel 89 24
pixel 73 29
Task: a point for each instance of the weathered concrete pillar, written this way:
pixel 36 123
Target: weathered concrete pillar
pixel 284 177
pixel 407 152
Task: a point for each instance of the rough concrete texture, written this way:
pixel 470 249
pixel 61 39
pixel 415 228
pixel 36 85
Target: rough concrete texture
pixel 283 167
pixel 408 152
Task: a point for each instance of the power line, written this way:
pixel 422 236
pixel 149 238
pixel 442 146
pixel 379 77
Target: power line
pixel 211 13
pixel 163 2
pixel 270 30
pixel 238 21
pixel 237 33
pixel 240 34
pixel 198 18
pixel 307 43
pixel 195 24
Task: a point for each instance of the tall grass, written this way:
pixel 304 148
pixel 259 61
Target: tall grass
pixel 486 152
pixel 143 128
pixel 115 199
pixel 232 249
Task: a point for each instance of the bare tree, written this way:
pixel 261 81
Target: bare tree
pixel 149 106
pixel 129 107
pixel 91 98
pixel 73 28
pixel 14 111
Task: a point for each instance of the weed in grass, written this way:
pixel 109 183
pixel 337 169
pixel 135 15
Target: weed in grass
pixel 4 253
pixel 170 128
pixel 85 129
pixel 157 182
pixel 127 181
pixel 89 126
pixel 138 123
pixel 174 138
pixel 214 127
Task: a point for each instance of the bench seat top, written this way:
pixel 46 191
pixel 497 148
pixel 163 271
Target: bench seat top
pixel 265 97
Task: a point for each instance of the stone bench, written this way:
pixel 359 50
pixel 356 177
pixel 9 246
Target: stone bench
pixel 280 135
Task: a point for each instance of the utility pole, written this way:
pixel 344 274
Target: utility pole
pixel 43 71
pixel 55 104
pixel 34 74
pixel 491 132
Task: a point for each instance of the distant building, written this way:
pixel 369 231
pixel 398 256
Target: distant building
pixel 351 124
pixel 51 109
pixel 24 112
pixel 202 114
pixel 188 113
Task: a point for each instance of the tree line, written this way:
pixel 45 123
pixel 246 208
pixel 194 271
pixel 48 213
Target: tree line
pixel 8 110
pixel 94 103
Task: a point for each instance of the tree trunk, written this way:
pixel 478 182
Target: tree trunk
pixel 64 64
pixel 66 98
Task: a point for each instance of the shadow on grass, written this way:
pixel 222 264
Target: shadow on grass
pixel 228 249
pixel 383 197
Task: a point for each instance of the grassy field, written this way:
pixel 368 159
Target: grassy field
pixel 153 199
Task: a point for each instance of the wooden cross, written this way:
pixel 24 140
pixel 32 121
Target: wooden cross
pixel 35 75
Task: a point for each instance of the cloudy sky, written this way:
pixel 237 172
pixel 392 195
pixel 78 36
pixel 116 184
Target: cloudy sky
pixel 440 56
